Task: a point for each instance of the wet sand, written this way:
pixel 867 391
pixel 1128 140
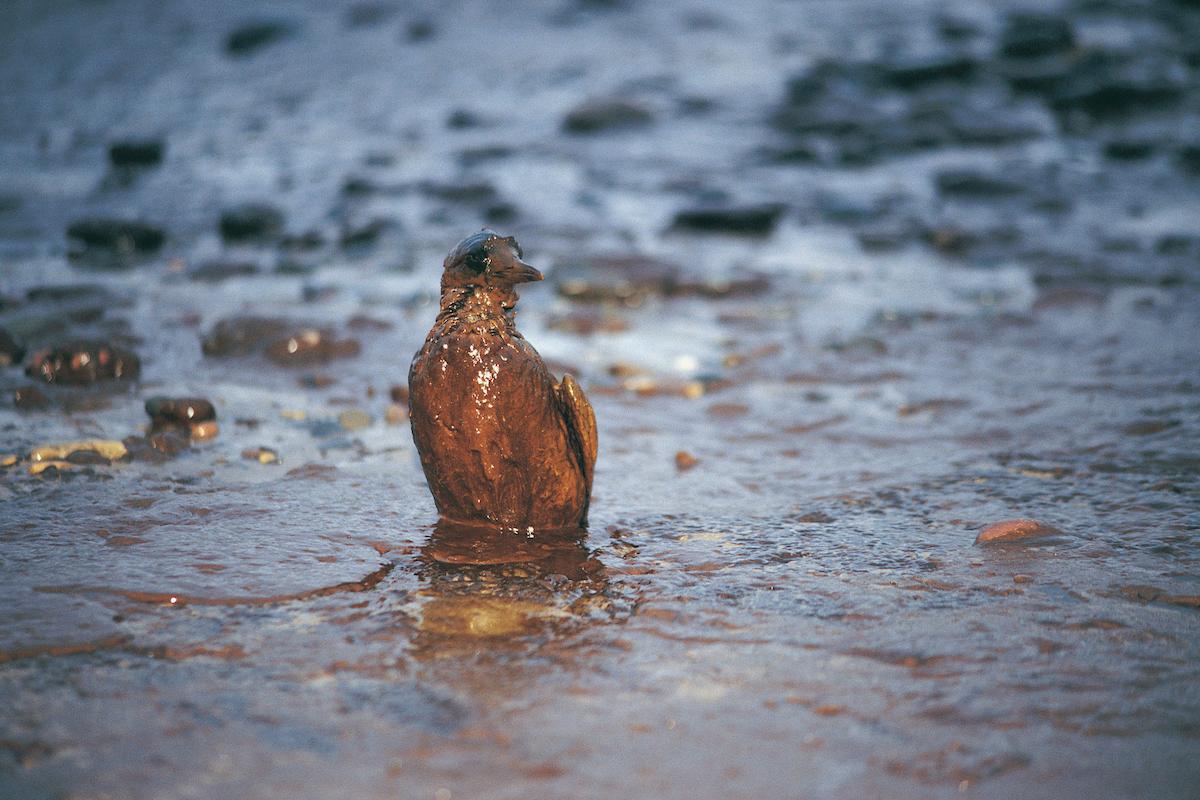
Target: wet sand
pixel 847 284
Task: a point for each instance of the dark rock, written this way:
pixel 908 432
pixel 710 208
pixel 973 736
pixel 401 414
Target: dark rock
pixel 365 237
pixel 1189 158
pixel 239 336
pixel 920 71
pixel 595 116
pixel 178 412
pixel 461 118
pixel 303 243
pixel 1029 34
pixel 252 37
pixel 1103 85
pixel 310 347
pixel 214 271
pixel 473 156
pixel 251 222
pixel 136 153
pixel 501 213
pixel 83 362
pixel 115 237
pixel 1129 149
pixel 399 394
pixel 30 398
pixel 970 183
pixel 421 30
pixel 757 220
pixel 11 352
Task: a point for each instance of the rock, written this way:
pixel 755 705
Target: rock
pixel 602 115
pixel 365 237
pixel 310 347
pixel 587 323
pixel 1017 530
pixel 1129 149
pixel 216 271
pixel 263 455
pixel 111 237
pixel 30 398
pixel 919 71
pixel 251 222
pixel 364 15
pixel 420 30
pixel 1189 158
pixel 461 119
pixel 239 336
pixel 83 362
pixel 252 37
pixel 396 413
pixel 685 461
pixel 756 220
pixel 136 153
pixel 11 352
pixel 1030 34
pixel 106 449
pixel 186 414
pixel 1104 85
pixel 353 419
pixel 974 184
pixel 399 394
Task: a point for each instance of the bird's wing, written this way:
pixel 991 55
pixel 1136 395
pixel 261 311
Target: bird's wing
pixel 581 425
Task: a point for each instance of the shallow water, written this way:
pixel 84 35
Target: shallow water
pixel 900 358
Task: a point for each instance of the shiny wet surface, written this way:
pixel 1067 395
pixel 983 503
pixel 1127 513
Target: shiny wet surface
pixel 903 335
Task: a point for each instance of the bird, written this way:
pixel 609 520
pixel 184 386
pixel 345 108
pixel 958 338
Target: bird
pixel 502 443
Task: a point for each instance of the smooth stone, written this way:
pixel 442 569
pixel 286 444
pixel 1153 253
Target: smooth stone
pixel 1016 530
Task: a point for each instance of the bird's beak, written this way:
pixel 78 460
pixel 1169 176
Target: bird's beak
pixel 516 271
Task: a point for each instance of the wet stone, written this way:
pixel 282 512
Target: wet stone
pixel 136 153
pixel 238 336
pixel 310 347
pixel 1104 85
pixel 919 71
pixel 216 271
pixel 399 394
pixel 263 455
pixel 83 362
pixel 974 184
pixel 251 222
pixel 1017 530
pixel 354 419
pixel 685 461
pixel 184 413
pixel 757 220
pixel 1029 34
pixel 460 192
pixel 11 351
pixel 254 36
pixel 114 238
pixel 30 398
pixel 602 115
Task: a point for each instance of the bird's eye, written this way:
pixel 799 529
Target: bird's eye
pixel 476 261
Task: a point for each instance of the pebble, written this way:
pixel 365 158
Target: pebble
pixel 756 220
pixel 263 455
pixel 251 222
pixel 11 352
pixel 108 449
pixel 395 414
pixel 83 362
pixel 1030 34
pixel 685 461
pixel 248 39
pixel 238 336
pixel 398 394
pixel 136 152
pixel 8 460
pixel 311 347
pixel 595 116
pixel 203 431
pixel 353 419
pixel 1016 530
pixel 216 271
pixel 108 236
pixel 182 410
pixel 30 398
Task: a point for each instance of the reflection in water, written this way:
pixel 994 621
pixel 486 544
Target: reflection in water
pixel 497 583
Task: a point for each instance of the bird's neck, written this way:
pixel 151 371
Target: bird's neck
pixel 488 304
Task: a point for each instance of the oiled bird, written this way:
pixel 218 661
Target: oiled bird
pixel 502 443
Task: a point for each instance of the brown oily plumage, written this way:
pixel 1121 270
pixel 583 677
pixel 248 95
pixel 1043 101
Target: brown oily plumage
pixel 501 442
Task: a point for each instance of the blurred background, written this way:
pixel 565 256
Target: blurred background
pixel 845 280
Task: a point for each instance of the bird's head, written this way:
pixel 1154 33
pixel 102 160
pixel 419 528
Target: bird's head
pixel 487 259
